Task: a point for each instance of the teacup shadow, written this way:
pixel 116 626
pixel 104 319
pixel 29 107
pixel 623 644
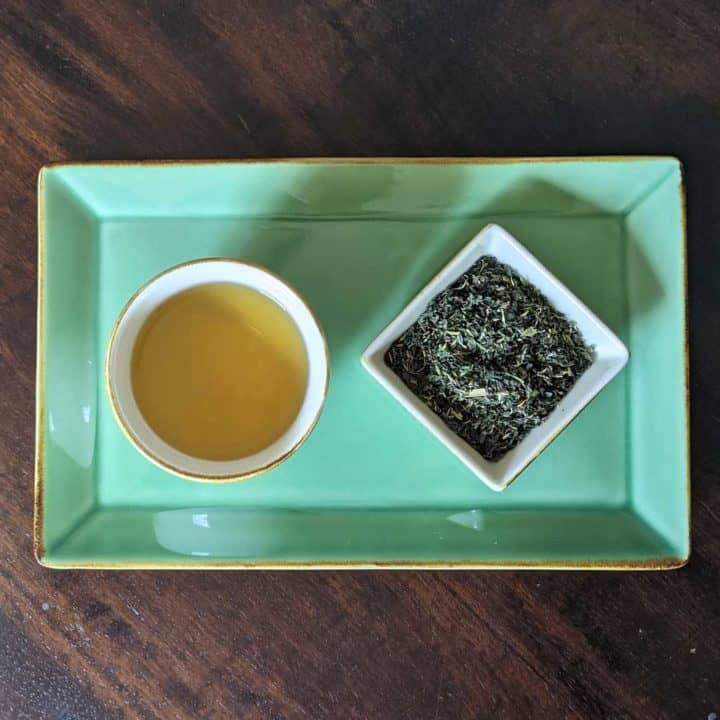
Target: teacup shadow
pixel 355 275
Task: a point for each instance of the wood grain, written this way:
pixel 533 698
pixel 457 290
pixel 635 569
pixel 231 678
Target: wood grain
pixel 132 80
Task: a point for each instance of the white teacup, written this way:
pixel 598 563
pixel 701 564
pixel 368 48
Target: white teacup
pixel 119 358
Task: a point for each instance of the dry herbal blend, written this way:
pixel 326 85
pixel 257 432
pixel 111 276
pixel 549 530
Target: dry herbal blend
pixel 491 357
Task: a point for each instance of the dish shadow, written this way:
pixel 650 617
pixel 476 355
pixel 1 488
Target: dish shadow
pixel 585 263
pixel 648 290
pixel 358 249
pixel 532 196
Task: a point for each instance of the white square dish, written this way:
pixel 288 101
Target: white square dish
pixel 610 356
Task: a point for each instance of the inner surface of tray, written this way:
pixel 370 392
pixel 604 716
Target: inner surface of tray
pixel 370 485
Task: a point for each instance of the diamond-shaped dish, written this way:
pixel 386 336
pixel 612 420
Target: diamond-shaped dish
pixel 611 355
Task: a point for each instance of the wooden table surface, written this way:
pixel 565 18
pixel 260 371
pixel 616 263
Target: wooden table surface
pixel 86 80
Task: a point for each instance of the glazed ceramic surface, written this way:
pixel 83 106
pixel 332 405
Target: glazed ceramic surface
pixel 610 356
pixel 371 487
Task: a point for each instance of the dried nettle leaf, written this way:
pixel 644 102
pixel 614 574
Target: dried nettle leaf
pixel 491 357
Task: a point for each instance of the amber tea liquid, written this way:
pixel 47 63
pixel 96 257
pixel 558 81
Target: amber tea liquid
pixel 219 371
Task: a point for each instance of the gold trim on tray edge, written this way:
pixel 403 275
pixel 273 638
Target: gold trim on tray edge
pixel 686 355
pixel 665 563
pixel 38 506
pixel 204 477
pixel 669 563
pixel 374 160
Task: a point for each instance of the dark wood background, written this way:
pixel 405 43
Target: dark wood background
pixel 133 80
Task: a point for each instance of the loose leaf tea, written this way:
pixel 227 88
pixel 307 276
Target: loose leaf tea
pixel 491 357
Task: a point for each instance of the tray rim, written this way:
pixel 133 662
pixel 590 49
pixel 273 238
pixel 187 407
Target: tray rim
pixel 663 563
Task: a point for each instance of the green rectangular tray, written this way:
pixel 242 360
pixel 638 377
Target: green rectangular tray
pixel 371 487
